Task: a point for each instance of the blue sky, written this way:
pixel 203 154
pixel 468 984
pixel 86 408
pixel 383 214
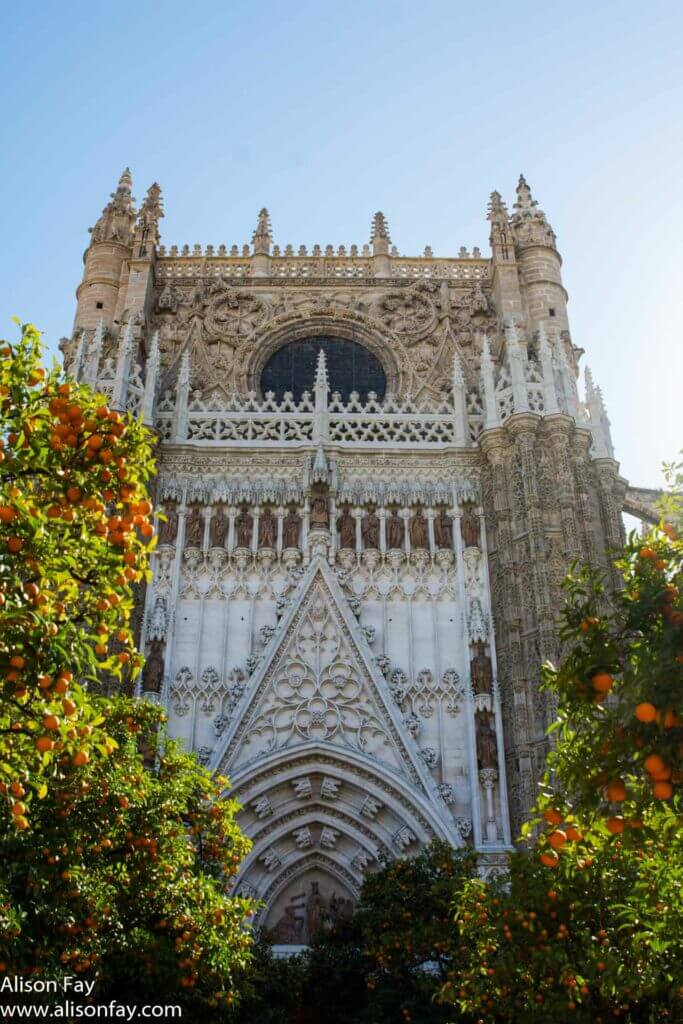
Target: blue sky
pixel 326 112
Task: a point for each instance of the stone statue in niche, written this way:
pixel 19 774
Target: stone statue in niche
pixel 291 529
pixel 153 672
pixel 443 532
pixel 168 531
pixel 370 531
pixel 469 527
pixel 395 531
pixel 218 529
pixel 481 672
pixel 418 531
pixel 267 529
pixel 487 744
pixel 316 911
pixel 320 516
pixel 347 530
pixel 289 929
pixel 243 528
pixel 194 529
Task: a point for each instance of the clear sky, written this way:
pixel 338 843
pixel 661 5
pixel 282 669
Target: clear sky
pixel 326 112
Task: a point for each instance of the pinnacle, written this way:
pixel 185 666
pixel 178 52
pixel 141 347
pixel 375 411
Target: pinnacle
pixel 497 210
pixel 321 370
pixel 524 198
pixel 126 180
pixel 380 227
pixel 263 225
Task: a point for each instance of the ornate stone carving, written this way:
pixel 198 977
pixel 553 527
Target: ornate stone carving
pixel 168 528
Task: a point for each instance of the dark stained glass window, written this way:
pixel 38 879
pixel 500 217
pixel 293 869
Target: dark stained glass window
pixel 350 367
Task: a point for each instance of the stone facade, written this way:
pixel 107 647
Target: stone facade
pixel 352 596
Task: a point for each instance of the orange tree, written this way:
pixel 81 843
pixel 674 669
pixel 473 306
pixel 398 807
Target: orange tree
pixel 74 530
pixel 124 877
pixel 590 922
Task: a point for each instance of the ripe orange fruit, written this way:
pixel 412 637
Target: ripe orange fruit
pixel 646 553
pixel 80 758
pixel 69 708
pixel 654 764
pixel 51 722
pixel 44 682
pixel 573 834
pixel 646 712
pixel 615 825
pixel 662 790
pixel 602 682
pixel 7 514
pixel 557 839
pixel 44 743
pixel 549 858
pixel 14 545
pixel 616 791
pixel 552 816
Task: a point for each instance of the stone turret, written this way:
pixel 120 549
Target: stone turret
pixel 543 294
pixel 105 259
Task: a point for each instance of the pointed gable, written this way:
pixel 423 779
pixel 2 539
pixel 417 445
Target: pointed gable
pixel 319 685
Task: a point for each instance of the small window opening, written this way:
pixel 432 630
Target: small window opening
pixel 551 311
pixel 100 305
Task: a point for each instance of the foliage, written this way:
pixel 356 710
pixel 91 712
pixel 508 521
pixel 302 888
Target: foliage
pixel 619 734
pixel 74 535
pixel 589 927
pixel 125 874
pixel 272 990
pixel 384 965
pixel 590 943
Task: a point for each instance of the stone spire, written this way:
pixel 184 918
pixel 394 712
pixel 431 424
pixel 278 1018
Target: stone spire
pixel 118 216
pixel 497 211
pixel 500 236
pixel 320 390
pixel 379 235
pixel 263 234
pixel 321 380
pixel 528 221
pixel 599 422
pixel 151 212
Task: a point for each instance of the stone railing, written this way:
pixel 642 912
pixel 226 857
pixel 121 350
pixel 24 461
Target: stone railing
pixel 187 262
pixel 249 420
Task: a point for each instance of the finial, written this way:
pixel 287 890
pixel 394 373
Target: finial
pixel 380 228
pixel 525 201
pixel 321 379
pixel 485 350
pixel 262 236
pixel 590 386
pixel 497 211
pixel 151 212
pixel 125 181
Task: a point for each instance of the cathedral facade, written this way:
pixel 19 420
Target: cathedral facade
pixel 374 471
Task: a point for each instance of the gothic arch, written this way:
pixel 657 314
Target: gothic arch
pixel 334 322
